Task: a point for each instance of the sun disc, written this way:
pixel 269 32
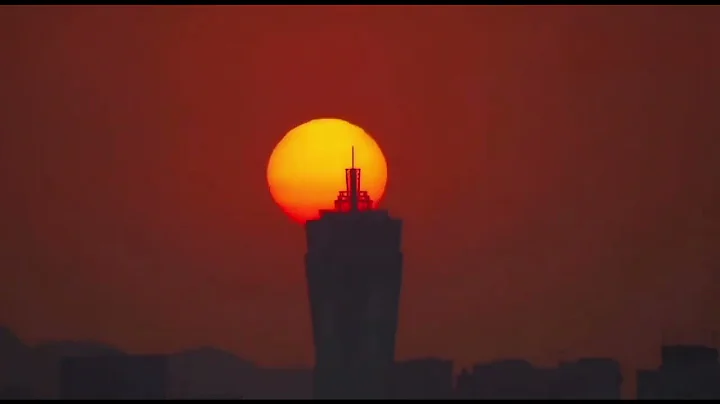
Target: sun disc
pixel 307 167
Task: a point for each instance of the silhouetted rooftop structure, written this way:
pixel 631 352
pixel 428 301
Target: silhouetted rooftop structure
pixel 353 198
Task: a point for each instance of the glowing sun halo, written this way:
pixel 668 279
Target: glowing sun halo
pixel 307 168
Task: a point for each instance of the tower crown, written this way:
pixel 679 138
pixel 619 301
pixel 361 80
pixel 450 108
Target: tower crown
pixel 353 199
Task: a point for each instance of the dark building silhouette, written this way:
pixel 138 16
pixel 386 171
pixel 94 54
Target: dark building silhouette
pixel 280 384
pixel 687 372
pixel 207 372
pixel 587 379
pixel 17 393
pixel 590 378
pixel 426 378
pixel 354 274
pixel 127 377
pixel 507 379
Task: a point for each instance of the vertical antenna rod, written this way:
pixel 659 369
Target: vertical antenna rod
pixel 352 199
pixel 354 191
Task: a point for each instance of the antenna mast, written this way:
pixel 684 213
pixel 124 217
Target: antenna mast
pixel 353 199
pixel 354 183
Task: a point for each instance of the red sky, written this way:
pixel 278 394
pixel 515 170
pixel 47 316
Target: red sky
pixel 555 168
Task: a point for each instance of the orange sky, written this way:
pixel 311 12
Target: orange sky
pixel 555 168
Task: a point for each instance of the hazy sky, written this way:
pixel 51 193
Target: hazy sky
pixel 556 168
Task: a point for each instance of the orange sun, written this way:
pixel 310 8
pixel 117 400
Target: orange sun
pixel 307 168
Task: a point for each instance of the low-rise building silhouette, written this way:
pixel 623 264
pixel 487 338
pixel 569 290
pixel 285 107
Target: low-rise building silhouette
pixel 587 379
pixel 125 377
pixel 426 378
pixel 590 378
pixel 17 392
pixel 506 379
pixel 280 384
pixel 687 372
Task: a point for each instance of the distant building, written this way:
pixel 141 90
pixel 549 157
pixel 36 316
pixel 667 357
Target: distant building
pixel 354 274
pixel 687 372
pixel 126 377
pixel 518 379
pixel 208 373
pixel 588 379
pixel 508 379
pixel 280 384
pixel 15 392
pixel 423 379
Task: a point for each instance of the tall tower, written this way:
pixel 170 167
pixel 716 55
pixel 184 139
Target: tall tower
pixel 354 274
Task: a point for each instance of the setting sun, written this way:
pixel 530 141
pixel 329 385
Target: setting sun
pixel 307 168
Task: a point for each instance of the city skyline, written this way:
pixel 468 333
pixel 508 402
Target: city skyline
pixel 62 369
pixel 554 168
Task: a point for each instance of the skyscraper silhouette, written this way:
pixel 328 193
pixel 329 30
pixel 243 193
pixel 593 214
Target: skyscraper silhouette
pixel 354 274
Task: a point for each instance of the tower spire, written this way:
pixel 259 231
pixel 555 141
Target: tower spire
pixel 353 199
pixel 354 183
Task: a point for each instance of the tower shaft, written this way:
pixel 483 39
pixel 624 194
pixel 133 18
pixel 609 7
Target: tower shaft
pixel 354 274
